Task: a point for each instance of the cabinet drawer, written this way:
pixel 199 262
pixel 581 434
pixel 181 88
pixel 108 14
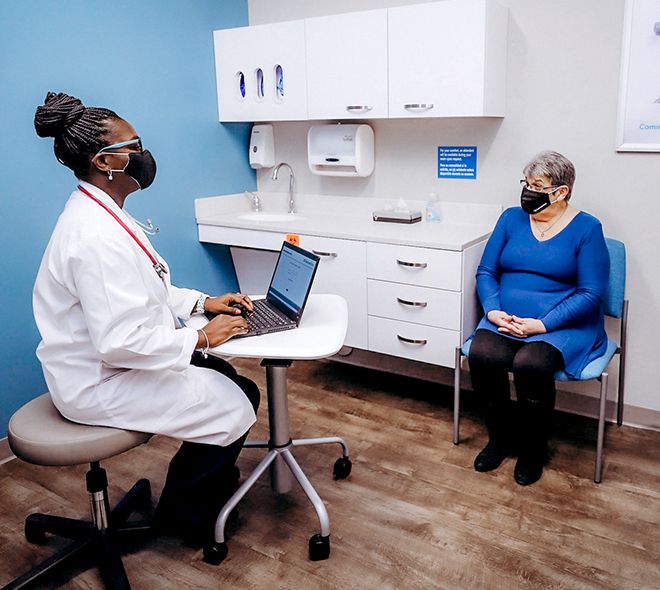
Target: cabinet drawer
pixel 410 303
pixel 413 341
pixel 416 266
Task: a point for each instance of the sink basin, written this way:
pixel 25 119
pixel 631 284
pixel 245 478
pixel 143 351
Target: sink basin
pixel 261 216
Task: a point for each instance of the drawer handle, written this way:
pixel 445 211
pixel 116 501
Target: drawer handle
pixel 412 303
pixel 411 341
pixel 411 264
pixel 359 108
pixel 418 106
pixel 328 254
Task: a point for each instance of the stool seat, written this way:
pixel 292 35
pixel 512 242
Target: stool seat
pixel 39 434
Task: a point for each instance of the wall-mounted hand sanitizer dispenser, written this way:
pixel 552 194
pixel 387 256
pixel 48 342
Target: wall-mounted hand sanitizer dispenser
pixel 262 147
pixel 341 150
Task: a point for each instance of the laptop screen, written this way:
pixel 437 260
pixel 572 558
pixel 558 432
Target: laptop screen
pixel 292 279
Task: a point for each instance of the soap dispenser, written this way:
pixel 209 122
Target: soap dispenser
pixel 262 147
pixel 432 212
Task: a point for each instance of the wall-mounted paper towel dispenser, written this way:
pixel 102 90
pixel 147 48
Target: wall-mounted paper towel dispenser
pixel 341 150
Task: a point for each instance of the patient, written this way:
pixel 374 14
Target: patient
pixel 541 282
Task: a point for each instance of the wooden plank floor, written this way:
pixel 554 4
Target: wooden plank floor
pixel 413 514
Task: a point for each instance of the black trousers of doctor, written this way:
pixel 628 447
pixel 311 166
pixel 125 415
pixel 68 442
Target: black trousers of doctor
pixel 202 477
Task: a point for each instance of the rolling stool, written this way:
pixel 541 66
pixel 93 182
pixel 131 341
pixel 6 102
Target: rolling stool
pixel 40 435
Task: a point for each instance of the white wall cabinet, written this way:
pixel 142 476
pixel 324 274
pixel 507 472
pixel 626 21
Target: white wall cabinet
pixel 447 59
pixel 260 72
pixel 347 65
pixel 439 59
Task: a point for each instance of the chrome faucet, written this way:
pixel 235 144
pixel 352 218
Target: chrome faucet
pixel 292 201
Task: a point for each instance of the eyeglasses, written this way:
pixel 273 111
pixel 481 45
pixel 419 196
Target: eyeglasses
pixel 115 146
pixel 534 187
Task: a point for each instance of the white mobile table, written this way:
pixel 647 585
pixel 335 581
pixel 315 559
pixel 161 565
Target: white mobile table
pixel 320 334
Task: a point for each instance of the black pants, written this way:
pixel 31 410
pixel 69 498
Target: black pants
pixel 533 365
pixel 202 477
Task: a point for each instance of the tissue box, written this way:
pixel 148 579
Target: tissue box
pixel 394 216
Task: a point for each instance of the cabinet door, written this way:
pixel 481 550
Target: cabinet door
pixel 231 74
pixel 447 59
pixel 260 72
pixel 347 65
pixel 343 271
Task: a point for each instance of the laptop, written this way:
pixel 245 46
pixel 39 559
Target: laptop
pixel 287 294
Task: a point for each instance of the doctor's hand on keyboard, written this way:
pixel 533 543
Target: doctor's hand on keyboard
pixel 220 329
pixel 241 309
pixel 229 303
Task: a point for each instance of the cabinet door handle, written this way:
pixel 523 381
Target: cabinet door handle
pixel 358 108
pixel 411 341
pixel 327 254
pixel 412 303
pixel 411 264
pixel 418 106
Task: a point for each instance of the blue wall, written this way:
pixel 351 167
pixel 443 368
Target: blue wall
pixel 150 61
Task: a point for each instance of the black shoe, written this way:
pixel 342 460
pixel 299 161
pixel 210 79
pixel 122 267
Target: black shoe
pixel 529 469
pixel 491 456
pixel 192 525
pixel 192 535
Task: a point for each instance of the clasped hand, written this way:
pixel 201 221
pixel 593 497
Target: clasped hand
pixel 228 322
pixel 514 325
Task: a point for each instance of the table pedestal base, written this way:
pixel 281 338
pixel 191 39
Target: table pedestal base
pixel 283 466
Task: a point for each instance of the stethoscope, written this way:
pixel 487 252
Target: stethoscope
pixel 147 228
pixel 159 267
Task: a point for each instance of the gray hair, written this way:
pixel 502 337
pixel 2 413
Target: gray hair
pixel 557 168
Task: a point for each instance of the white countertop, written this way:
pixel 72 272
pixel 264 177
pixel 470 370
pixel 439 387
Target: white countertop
pixel 461 225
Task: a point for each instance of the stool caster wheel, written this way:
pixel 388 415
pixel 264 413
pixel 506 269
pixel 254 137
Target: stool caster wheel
pixel 33 532
pixel 319 547
pixel 215 553
pixel 342 468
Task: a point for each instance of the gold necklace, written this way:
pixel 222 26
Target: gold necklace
pixel 547 229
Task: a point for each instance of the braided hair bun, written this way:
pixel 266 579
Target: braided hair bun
pixel 79 131
pixel 59 112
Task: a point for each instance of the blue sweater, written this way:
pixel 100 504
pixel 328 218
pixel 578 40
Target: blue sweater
pixel 561 281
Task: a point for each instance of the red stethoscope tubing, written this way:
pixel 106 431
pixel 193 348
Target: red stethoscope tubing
pixel 158 267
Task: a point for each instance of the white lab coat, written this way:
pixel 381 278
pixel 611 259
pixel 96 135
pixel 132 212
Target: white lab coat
pixel 112 349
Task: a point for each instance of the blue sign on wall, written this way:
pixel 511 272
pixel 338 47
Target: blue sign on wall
pixel 457 161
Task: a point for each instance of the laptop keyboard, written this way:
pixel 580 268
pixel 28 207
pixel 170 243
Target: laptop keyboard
pixel 264 317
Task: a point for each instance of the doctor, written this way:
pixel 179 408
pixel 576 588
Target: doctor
pixel 112 350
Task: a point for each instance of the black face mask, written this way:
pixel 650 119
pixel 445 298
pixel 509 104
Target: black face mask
pixel 141 168
pixel 534 201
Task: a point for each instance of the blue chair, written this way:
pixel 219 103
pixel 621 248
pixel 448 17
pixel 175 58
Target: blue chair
pixel 615 306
